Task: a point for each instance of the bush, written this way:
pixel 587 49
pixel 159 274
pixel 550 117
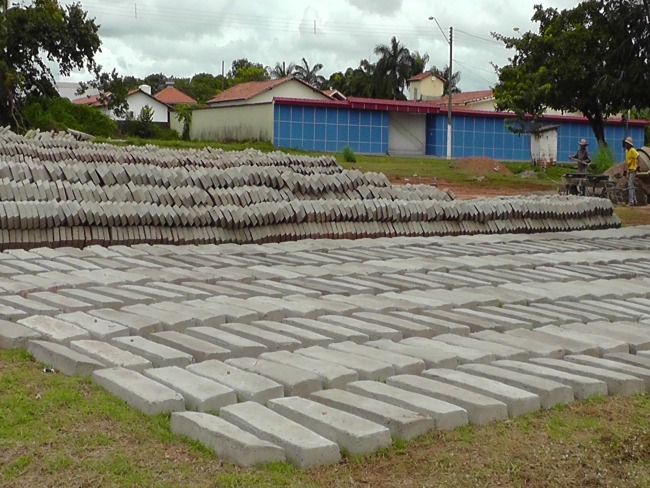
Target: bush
pixel 59 114
pixel 602 160
pixel 348 155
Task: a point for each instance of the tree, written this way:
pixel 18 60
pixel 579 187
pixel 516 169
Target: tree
pixel 578 62
pixel 157 81
pixel 33 36
pixel 243 70
pixel 184 114
pixel 282 70
pixel 450 80
pixel 418 63
pixel 393 67
pixel 310 74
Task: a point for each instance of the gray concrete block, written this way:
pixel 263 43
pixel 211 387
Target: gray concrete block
pixel 617 383
pixel 519 401
pixel 617 366
pixel 337 333
pixel 54 330
pixel 464 354
pixel 99 329
pixel 401 363
pixel 568 344
pixel 199 349
pixel 534 348
pixel 14 335
pixel 331 374
pixel 302 447
pixel 433 358
pixel 228 441
pixel 402 423
pixel 445 415
pixel 437 325
pixel 247 386
pixel 634 359
pixel 480 408
pixel 373 331
pixel 171 320
pixel 140 392
pixel 632 334
pixel 354 434
pixel 237 345
pixel 550 392
pixel 366 368
pixel 500 351
pixel 160 355
pixel 63 359
pixel 137 324
pixel 602 343
pixel 296 382
pixel 406 327
pixel 201 394
pixel 307 338
pixel 110 355
pixel 272 340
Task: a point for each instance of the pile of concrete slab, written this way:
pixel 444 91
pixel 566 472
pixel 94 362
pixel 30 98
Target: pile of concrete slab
pixel 57 191
pixel 303 351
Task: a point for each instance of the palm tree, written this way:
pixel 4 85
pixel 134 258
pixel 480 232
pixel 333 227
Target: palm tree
pixel 418 63
pixel 444 74
pixel 281 70
pixel 394 66
pixel 310 75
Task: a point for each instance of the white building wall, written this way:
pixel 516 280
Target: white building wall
pixel 244 122
pixel 138 100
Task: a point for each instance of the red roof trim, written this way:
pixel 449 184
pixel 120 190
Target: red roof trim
pixel 546 118
pixel 364 104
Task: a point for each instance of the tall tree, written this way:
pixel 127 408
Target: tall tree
pixel 577 62
pixel 282 70
pixel 393 66
pixel 418 62
pixel 243 70
pixel 309 74
pixel 451 79
pixel 30 38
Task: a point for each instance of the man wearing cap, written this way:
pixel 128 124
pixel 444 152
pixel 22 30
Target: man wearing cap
pixel 583 159
pixel 631 167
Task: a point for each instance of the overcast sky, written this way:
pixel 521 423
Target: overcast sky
pixel 183 38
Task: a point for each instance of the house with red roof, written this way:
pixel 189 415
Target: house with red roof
pixel 172 96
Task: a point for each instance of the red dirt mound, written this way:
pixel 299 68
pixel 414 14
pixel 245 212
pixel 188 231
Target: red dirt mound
pixel 481 166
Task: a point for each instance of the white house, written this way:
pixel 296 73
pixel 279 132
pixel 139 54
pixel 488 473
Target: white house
pixel 136 99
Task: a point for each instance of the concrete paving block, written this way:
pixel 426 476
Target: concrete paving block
pixel 239 346
pixel 612 365
pixel 353 433
pixel 331 374
pixel 632 334
pixel 519 401
pixel 199 349
pixel 171 320
pixel 265 310
pixel 437 325
pixel 617 383
pixel 28 306
pixel 533 348
pixel 568 344
pixel 99 329
pixel 137 324
pixel 401 363
pixel 366 368
pixel 307 338
pixel 272 340
pixel 296 382
pixel 402 423
pixel 406 327
pixel 60 302
pixel 95 299
pixel 228 441
pixel 464 354
pixel 302 447
pixel 337 333
pixel 480 409
pixel 110 355
pixel 160 355
pixel 373 331
pixel 500 351
pixel 433 358
pixel 247 386
pixel 445 415
pixel 140 392
pixel 14 335
pixel 602 343
pixel 201 394
pixel 550 392
pixel 54 330
pixel 127 297
pixel 633 359
pixel 195 314
pixel 231 313
pixel 63 359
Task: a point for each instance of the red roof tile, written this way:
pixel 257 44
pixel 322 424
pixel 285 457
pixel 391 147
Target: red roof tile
pixel 250 89
pixel 425 75
pixel 465 98
pixel 90 100
pixel 173 96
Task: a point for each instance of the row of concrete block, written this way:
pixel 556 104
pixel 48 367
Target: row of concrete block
pixel 82 236
pixel 46 214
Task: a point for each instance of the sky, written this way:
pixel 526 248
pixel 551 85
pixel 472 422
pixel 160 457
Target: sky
pixel 180 39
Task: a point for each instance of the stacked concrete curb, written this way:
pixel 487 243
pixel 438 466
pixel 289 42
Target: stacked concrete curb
pixel 303 351
pixel 56 191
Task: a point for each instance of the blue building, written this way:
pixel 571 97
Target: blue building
pixel 372 126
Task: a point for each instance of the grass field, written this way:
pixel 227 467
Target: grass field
pixel 58 431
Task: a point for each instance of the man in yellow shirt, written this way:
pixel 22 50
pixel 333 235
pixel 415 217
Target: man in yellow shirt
pixel 631 167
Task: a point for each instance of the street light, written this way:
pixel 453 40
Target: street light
pixel 450 42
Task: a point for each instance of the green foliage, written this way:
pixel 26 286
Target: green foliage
pixel 393 67
pixel 309 74
pixel 32 39
pixel 183 113
pixel 243 70
pixel 59 114
pixel 602 160
pixel 454 78
pixel 348 155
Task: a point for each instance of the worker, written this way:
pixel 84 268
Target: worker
pixel 631 167
pixel 583 159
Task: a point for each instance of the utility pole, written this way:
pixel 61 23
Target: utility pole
pixel 451 75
